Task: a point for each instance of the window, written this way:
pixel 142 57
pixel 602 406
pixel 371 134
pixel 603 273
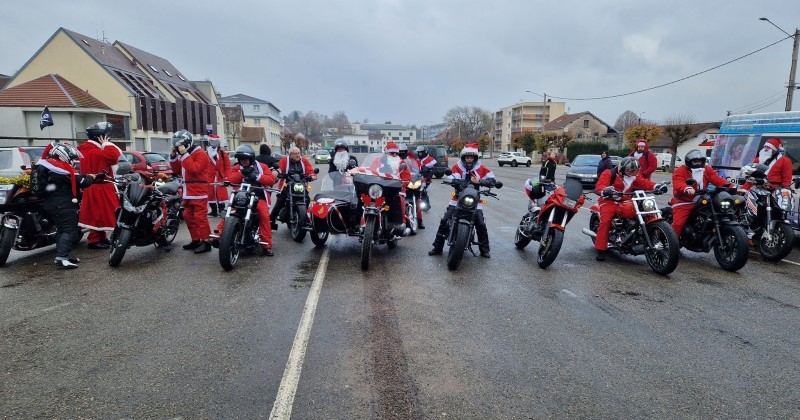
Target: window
pixel 181 77
pixel 152 68
pixel 257 121
pixel 585 123
pixel 256 108
pixel 167 73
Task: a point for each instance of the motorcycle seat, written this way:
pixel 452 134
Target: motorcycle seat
pixel 339 195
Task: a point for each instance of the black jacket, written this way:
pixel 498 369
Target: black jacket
pixel 266 160
pixel 605 163
pixel 61 196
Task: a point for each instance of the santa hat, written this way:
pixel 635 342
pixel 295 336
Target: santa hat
pixel 471 148
pixel 391 147
pixel 641 142
pixel 213 136
pixel 774 143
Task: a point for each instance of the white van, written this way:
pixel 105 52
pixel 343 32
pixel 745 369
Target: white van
pixel 665 160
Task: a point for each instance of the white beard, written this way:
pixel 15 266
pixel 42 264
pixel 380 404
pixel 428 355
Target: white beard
pixel 697 175
pixel 340 160
pixel 394 162
pixel 628 180
pixel 764 155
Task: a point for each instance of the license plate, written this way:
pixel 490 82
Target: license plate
pixel 587 179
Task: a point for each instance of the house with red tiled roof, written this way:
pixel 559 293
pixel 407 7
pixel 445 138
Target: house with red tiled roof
pixel 583 126
pixel 150 98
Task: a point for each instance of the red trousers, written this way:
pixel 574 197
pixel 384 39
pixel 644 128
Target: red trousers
pixel 680 213
pixel 264 228
pixel 195 212
pixel 607 211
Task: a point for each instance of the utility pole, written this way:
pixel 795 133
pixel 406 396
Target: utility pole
pixel 793 70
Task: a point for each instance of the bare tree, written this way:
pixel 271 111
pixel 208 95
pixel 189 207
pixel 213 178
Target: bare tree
pixel 678 129
pixel 339 124
pixel 468 123
pixel 625 120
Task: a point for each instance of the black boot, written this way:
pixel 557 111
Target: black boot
pixel 221 209
pixel 438 245
pixel 191 245
pixel 213 212
pixel 484 248
pixel 203 247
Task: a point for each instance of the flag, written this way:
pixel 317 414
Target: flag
pixel 46 120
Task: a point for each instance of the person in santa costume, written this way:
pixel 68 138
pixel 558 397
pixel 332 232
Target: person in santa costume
pixel 779 172
pixel 192 163
pixel 648 162
pixel 467 167
pixel 217 194
pixel 294 163
pixel 683 195
pixel 63 185
pixel 100 201
pixel 249 170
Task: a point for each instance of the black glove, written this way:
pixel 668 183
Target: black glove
pixel 487 182
pixel 660 189
pixel 252 177
pixel 100 177
pixel 247 170
pixel 608 192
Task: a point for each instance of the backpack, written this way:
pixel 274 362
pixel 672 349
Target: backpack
pixel 39 177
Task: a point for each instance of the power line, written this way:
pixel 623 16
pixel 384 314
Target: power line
pixel 749 107
pixel 669 83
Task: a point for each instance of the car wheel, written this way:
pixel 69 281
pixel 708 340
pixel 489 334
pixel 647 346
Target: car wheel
pixel 513 163
pixel 500 163
pixel 528 164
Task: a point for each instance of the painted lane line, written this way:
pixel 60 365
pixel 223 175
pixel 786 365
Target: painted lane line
pixel 282 408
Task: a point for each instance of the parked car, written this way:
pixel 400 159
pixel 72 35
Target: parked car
pixel 322 156
pixel 12 159
pixel 147 163
pixel 615 159
pixel 513 159
pixel 584 169
pixel 665 161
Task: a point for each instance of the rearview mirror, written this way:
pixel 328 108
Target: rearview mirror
pixel 691 181
pixel 498 184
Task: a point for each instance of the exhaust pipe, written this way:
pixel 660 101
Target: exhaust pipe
pixel 589 232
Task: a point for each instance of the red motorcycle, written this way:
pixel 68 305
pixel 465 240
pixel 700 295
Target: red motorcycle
pixel 550 209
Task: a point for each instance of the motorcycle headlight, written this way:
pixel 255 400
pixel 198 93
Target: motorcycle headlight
pixel 240 199
pixel 375 191
pixel 298 188
pixel 725 204
pixel 415 184
pixel 649 205
pixel 5 191
pixel 126 204
pixel 468 201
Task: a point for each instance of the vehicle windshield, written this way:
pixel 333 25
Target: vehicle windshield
pixel 153 157
pixel 378 162
pixel 587 160
pixel 323 153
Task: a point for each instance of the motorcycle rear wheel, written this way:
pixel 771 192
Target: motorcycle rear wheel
pixel 732 254
pixel 366 242
pixel 594 225
pixel 520 240
pixel 9 235
pixel 663 256
pixel 119 246
pixel 456 251
pixel 411 215
pixel 549 247
pixel 230 242
pixel 170 232
pixel 297 224
pixel 781 244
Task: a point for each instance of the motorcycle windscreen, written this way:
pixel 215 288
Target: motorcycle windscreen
pixel 573 188
pixel 138 193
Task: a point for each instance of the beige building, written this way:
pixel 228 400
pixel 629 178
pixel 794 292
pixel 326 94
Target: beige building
pixel 259 115
pixel 148 98
pixel 520 118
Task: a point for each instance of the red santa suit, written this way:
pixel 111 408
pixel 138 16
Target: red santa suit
pixel 683 203
pixel 266 179
pixel 609 206
pixel 218 194
pixel 648 162
pixel 100 201
pixel 779 172
pixel 196 169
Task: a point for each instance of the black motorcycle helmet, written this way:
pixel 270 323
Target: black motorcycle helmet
pixel 695 155
pixel 100 129
pixel 422 152
pixel 182 137
pixel 244 152
pixel 628 164
pixel 340 144
pixel 402 151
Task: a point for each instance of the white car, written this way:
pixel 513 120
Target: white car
pixel 513 159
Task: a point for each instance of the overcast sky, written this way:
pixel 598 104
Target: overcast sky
pixel 410 61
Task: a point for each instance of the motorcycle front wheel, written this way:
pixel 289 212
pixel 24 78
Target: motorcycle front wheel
pixel 456 251
pixel 170 230
pixel 520 240
pixel 549 246
pixel 594 225
pixel 779 245
pixel 732 253
pixel 366 242
pixel 118 246
pixel 663 256
pixel 298 224
pixel 7 237
pixel 230 242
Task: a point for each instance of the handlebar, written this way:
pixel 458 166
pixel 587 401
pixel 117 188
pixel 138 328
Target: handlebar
pixel 623 194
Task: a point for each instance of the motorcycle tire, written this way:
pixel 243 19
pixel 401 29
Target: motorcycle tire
pixel 7 238
pixel 230 241
pixel 549 246
pixel 411 215
pixel 594 225
pixel 781 244
pixel 119 245
pixel 319 238
pixel 170 230
pixel 456 252
pixel 366 242
pixel 663 256
pixel 520 240
pixel 297 224
pixel 732 254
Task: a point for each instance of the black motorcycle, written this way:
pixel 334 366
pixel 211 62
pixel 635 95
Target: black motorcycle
pixel 461 225
pixel 241 230
pixel 148 215
pixel 766 214
pixel 294 212
pixel 24 225
pixel 713 224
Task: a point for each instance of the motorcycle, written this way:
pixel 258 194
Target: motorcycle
pixel 461 225
pixel 241 230
pixel 24 225
pixel 638 228
pixel 713 223
pixel 149 214
pixel 294 213
pixel 765 214
pixel 335 208
pixel 547 217
pixel 413 195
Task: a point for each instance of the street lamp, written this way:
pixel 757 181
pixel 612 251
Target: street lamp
pixel 793 70
pixel 640 117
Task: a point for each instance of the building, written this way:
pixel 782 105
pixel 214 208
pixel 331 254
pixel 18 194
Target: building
pixel 584 126
pixel 520 118
pixel 702 136
pixel 377 135
pixel 148 98
pixel 258 114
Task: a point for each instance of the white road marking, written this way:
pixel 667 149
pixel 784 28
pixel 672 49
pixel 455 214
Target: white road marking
pixel 59 306
pixel 282 409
